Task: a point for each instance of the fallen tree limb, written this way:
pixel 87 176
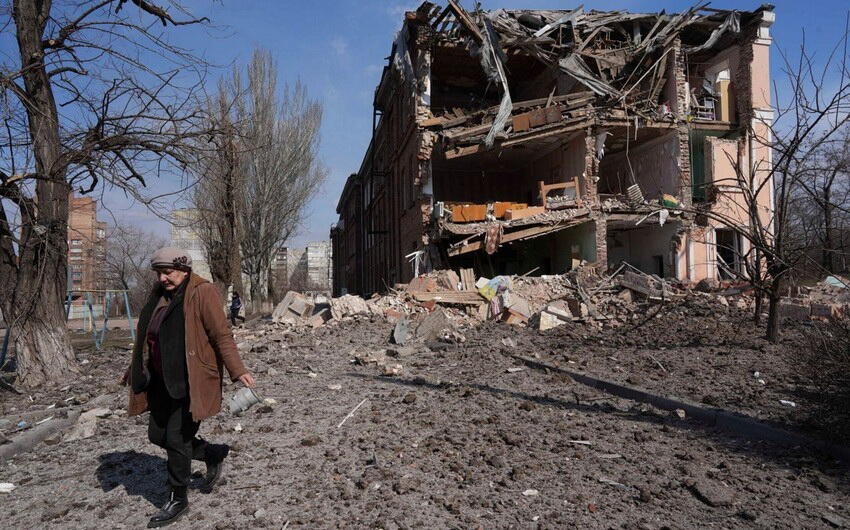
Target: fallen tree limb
pixel 29 439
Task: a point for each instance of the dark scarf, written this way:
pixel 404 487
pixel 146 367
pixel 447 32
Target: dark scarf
pixel 172 343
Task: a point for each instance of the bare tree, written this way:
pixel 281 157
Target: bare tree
pixel 260 201
pixel 216 197
pixel 127 263
pixel 96 96
pixel 811 119
pixel 819 211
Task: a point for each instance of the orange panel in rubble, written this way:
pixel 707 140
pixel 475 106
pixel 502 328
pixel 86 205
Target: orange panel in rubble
pixel 499 208
pixel 521 122
pixel 465 213
pixel 537 117
pixel 511 215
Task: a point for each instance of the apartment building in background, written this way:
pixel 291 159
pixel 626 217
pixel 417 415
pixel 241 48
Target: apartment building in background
pixel 184 236
pixel 306 269
pixel 86 245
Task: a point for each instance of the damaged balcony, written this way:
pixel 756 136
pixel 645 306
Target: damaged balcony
pixel 535 189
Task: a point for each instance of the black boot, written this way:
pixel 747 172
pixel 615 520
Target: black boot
pixel 215 463
pixel 176 506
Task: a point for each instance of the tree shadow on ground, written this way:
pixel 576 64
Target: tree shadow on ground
pixel 795 458
pixel 141 474
pixel 635 415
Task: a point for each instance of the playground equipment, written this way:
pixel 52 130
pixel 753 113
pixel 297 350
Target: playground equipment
pixel 89 317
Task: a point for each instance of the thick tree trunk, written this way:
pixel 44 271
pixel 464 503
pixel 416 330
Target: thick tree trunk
pixel 44 352
pixel 773 319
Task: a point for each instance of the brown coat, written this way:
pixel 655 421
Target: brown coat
pixel 209 348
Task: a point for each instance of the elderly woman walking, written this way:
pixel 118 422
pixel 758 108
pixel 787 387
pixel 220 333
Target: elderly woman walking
pixel 183 341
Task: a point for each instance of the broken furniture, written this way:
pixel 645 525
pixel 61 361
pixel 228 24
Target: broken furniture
pixel 705 110
pixel 570 195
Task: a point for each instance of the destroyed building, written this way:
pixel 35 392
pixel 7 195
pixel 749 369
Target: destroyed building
pixel 516 141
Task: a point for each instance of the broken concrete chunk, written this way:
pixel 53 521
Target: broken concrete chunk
pixel 713 493
pixel 349 305
pixel 319 318
pixel 423 284
pixel 293 306
pixel 100 412
pixel 549 321
pixel 84 428
pixel 517 304
pixel 835 521
pixel 391 369
pixel 434 325
pixel 560 309
pixel 794 311
pixel 642 283
pixel 401 332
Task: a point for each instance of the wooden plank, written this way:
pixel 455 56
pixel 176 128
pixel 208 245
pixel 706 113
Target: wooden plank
pixel 537 117
pixel 463 151
pixel 513 236
pixel 571 101
pixel 521 122
pixel 450 297
pixel 440 18
pixel 522 213
pixel 568 126
pixel 444 121
pixel 467 278
pixel 471 131
pixel 463 17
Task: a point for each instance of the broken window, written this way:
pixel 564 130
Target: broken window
pixel 729 254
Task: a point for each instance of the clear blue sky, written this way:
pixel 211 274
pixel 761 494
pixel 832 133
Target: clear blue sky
pixel 338 48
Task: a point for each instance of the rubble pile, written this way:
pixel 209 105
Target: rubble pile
pixel 826 300
pixel 581 297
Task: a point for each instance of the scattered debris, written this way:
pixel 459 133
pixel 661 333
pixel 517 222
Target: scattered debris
pixel 350 414
pixel 294 305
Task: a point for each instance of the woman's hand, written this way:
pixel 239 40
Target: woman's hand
pixel 247 379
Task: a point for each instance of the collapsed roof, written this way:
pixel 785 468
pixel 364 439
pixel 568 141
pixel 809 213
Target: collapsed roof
pixel 614 62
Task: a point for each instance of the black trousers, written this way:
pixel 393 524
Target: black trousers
pixel 171 427
pixel 234 315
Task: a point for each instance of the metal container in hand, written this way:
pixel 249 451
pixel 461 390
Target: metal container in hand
pixel 243 400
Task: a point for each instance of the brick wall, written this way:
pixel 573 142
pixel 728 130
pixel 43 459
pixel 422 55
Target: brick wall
pixel 602 243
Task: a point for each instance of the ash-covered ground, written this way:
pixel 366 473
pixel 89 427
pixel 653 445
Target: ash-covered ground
pixel 463 436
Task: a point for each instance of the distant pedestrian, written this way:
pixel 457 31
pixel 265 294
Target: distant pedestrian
pixel 235 306
pixel 182 345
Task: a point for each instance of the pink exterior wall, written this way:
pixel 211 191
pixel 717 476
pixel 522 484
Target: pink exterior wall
pixel 750 73
pixel 760 67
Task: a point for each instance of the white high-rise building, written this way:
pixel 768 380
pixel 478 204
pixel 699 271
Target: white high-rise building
pixel 184 236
